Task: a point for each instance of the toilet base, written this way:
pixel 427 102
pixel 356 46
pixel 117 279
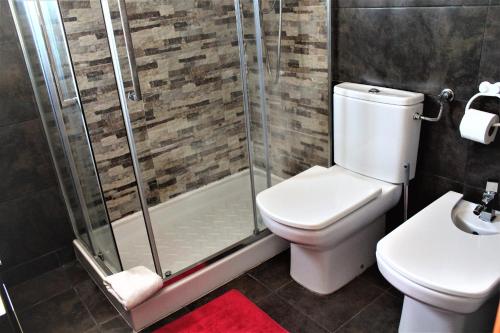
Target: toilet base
pixel 420 317
pixel 324 271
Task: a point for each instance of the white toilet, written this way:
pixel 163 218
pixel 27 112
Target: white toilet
pixel 334 217
pixel 450 278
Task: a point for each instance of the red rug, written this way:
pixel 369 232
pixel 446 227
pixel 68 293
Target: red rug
pixel 231 312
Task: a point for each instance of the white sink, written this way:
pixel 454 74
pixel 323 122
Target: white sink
pixel 467 221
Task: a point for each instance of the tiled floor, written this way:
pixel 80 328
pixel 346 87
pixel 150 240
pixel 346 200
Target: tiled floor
pixel 66 300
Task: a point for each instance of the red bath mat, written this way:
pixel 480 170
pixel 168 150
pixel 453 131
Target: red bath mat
pixel 231 313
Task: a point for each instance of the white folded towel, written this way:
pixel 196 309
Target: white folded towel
pixel 133 286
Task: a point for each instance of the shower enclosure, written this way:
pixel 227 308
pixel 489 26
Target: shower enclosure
pixel 165 118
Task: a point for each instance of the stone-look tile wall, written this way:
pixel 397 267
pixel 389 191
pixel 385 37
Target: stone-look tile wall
pixel 426 46
pixel 297 104
pixel 189 128
pixel 35 231
pixel 88 44
pixel 189 70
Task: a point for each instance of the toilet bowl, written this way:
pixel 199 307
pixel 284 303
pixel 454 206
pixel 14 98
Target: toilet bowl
pixel 333 217
pixel 330 244
pixel 450 278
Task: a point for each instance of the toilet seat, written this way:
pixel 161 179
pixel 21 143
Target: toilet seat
pixel 439 264
pixel 332 193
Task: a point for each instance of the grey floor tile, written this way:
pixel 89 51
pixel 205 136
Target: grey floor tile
pixel 373 275
pixel 331 311
pixel 247 285
pixel 380 316
pixel 288 317
pixel 93 330
pixel 275 272
pixel 75 273
pixel 61 314
pixel 115 325
pixel 39 289
pixel 95 301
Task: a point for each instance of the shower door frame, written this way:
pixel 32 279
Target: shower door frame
pixel 246 110
pixel 57 104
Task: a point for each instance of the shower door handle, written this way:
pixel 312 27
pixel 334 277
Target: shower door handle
pixel 135 95
pixel 63 102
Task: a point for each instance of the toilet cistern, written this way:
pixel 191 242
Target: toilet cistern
pixel 485 210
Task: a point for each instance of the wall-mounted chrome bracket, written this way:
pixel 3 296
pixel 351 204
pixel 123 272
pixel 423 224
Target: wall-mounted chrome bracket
pixel 447 95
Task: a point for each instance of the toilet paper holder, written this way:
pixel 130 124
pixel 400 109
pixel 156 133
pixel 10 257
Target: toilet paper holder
pixel 486 89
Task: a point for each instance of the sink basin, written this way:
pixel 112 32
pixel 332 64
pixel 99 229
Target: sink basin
pixel 465 220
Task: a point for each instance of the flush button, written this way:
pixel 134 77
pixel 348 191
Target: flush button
pixel 373 91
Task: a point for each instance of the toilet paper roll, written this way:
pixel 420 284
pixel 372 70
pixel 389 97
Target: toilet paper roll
pixel 476 125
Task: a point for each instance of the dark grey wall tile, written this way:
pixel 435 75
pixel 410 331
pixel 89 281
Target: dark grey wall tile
pixel 442 151
pixel 15 88
pixel 33 225
pixel 483 163
pixel 490 60
pixel 24 160
pixel 7 29
pixel 426 49
pixel 426 188
pixel 420 49
pixel 30 269
pixel 62 313
pixel 406 3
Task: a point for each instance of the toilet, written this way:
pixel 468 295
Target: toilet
pixel 334 217
pixel 450 278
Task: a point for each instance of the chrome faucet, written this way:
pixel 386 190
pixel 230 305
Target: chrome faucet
pixel 485 210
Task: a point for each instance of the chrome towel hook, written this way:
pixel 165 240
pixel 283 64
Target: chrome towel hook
pixel 447 95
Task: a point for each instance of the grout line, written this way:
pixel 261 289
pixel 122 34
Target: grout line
pixel 297 309
pixel 359 312
pixel 86 308
pixel 31 306
pixel 262 284
pixel 265 284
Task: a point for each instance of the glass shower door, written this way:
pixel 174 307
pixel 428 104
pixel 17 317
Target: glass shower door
pixel 188 124
pixel 43 39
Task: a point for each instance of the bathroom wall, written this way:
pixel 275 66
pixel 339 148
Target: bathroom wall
pixel 297 103
pixel 426 46
pixel 35 233
pixel 88 45
pixel 189 128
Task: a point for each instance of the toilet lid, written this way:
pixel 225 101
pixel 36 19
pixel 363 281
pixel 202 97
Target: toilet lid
pixel 317 197
pixel 432 252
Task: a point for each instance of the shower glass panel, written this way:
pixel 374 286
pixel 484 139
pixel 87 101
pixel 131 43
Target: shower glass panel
pixel 91 58
pixel 189 127
pixel 44 44
pixel 295 73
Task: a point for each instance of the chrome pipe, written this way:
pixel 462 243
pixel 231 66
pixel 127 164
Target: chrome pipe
pixel 246 108
pixel 446 95
pixel 406 186
pixel 130 138
pixel 136 95
pixel 262 88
